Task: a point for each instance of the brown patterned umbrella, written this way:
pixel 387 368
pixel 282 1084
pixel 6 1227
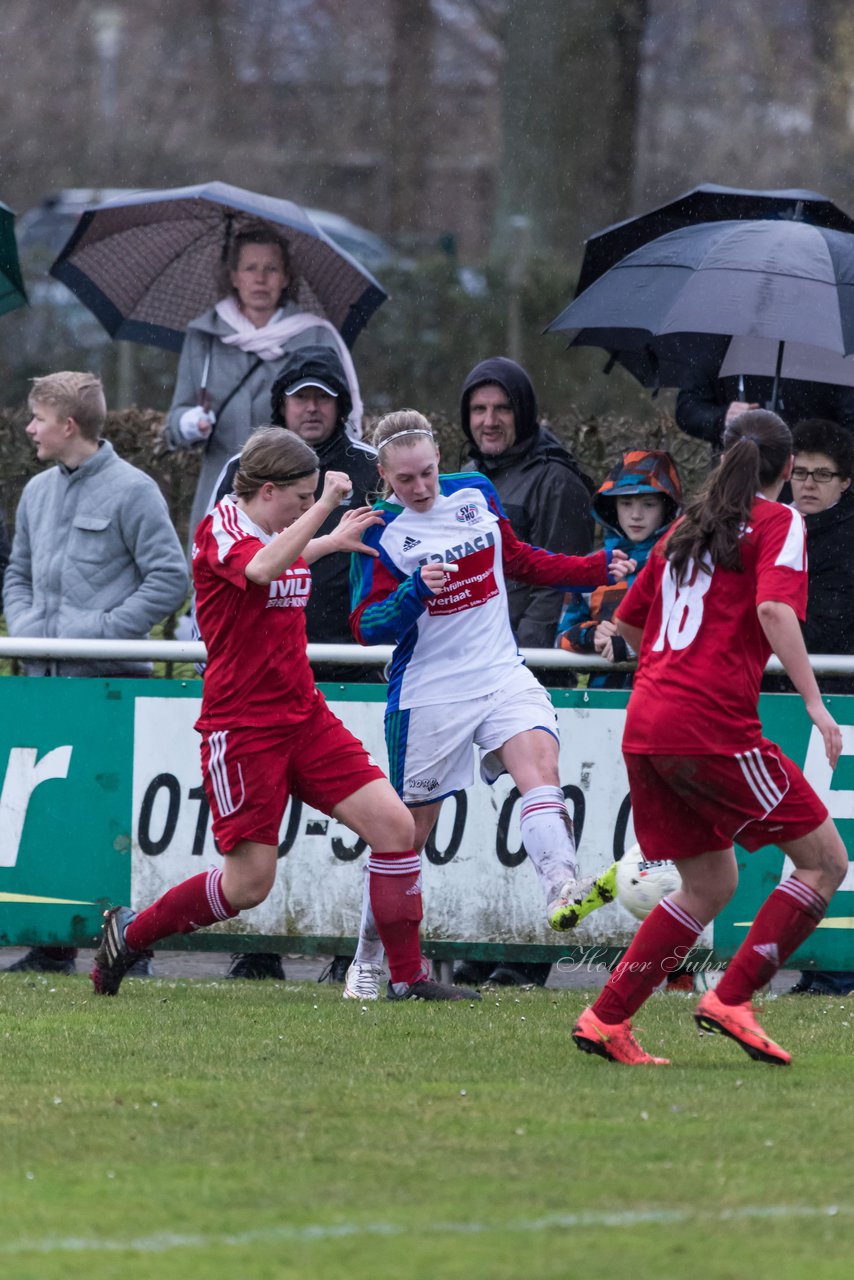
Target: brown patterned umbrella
pixel 148 264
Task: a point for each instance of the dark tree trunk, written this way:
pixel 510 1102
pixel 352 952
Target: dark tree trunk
pixel 627 27
pixel 410 112
pixel 569 94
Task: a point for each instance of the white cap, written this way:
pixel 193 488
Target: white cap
pixel 311 382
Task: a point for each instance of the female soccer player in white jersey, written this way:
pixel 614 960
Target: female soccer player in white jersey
pixel 437 590
pixel 267 732
pixel 718 595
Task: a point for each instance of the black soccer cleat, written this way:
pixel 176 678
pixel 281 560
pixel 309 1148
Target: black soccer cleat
pixel 256 965
pixel 114 958
pixel 45 960
pixel 428 989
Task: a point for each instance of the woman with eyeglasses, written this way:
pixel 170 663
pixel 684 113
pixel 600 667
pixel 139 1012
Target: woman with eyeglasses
pixel 724 589
pixel 821 489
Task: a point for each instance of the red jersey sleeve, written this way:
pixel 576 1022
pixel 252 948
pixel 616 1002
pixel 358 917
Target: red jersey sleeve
pixel 233 566
pixel 524 563
pixel 225 548
pixel 781 559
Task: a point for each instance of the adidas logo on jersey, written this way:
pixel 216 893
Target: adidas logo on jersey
pixel 409 543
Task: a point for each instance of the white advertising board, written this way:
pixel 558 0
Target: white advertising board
pixel 478 883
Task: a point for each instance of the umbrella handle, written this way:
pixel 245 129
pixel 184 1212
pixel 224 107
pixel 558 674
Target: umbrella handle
pixel 204 398
pixel 775 394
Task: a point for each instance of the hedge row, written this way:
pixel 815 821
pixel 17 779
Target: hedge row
pixel 137 435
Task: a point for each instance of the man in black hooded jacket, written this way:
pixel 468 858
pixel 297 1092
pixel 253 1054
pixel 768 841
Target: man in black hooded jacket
pixel 543 491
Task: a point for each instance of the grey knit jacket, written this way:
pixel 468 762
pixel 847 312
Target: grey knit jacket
pixel 94 556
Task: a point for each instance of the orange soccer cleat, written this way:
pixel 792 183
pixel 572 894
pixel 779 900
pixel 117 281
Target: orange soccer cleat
pixel 738 1021
pixel 612 1040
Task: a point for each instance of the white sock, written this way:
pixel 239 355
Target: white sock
pixel 548 839
pixel 369 950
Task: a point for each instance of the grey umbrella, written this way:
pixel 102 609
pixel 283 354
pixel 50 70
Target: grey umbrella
pixel 671 307
pixel 148 264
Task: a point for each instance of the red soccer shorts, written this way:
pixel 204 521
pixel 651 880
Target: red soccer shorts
pixel 250 774
pixel 686 805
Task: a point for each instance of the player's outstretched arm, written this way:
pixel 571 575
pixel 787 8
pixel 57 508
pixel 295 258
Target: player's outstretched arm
pixel 277 556
pixel 386 608
pixel 346 536
pixel 780 624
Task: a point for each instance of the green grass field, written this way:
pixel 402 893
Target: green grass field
pixel 192 1129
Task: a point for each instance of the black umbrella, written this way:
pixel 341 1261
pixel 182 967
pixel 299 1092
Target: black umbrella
pixel 670 308
pixel 149 263
pixel 12 293
pixel 706 203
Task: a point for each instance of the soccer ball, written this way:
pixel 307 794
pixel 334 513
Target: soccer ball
pixel 641 885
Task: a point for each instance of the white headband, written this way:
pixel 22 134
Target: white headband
pixel 410 431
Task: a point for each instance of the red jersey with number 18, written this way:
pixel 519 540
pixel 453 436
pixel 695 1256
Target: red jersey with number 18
pixel 703 651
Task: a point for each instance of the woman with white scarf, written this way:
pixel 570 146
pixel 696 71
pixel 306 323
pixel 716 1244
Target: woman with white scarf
pixel 234 352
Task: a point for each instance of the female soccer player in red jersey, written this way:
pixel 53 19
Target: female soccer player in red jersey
pixel 267 732
pixel 457 680
pixel 724 589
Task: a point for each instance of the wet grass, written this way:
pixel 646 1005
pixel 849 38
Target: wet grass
pixel 210 1129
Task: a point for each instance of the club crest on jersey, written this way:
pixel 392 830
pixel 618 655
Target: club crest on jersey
pixel 466 514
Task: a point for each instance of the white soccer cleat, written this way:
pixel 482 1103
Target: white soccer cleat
pixel 363 981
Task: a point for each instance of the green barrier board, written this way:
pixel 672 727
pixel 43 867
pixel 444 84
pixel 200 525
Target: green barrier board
pixel 100 802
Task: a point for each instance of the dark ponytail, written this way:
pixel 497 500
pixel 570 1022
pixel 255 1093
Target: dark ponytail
pixel 757 446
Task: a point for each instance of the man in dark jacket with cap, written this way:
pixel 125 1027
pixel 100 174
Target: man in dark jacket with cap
pixel 311 398
pixel 547 501
pixel 541 487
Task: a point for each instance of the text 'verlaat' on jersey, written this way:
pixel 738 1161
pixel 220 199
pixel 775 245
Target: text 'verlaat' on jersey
pixel 291 590
pixel 475 585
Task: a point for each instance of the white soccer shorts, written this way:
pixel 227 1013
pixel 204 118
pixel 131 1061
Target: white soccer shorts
pixel 431 748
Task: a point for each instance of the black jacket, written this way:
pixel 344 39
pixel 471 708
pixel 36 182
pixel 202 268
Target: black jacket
pixel 829 627
pixel 545 496
pixel 5 549
pixel 830 607
pixel 701 408
pixel 327 617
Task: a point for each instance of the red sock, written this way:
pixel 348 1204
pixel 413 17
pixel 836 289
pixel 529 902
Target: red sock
pixel 395 889
pixel 659 946
pixel 192 905
pixel 786 918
